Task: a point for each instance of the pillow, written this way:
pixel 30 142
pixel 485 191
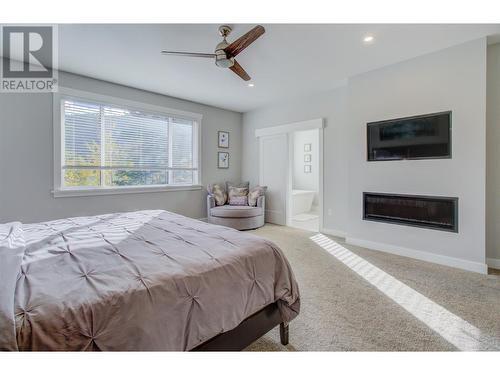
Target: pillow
pixel 255 193
pixel 237 192
pixel 238 201
pixel 217 191
pixel 240 185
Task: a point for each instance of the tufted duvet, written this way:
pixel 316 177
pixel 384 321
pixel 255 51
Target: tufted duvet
pixel 146 280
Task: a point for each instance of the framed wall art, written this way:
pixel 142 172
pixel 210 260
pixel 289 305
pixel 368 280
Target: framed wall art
pixel 223 139
pixel 223 160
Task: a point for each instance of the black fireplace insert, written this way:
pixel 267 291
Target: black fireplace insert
pixel 431 212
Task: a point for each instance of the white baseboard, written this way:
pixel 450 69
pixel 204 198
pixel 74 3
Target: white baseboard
pixel 205 219
pixel 493 263
pixel 421 255
pixel 334 232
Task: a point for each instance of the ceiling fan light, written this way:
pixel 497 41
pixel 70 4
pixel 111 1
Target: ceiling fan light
pixel 224 62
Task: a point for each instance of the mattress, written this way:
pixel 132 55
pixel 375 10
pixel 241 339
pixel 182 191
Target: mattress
pixel 146 280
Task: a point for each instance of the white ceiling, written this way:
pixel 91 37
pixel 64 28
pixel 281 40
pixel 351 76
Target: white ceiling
pixel 287 61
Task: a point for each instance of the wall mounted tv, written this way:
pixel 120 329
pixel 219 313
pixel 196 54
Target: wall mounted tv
pixel 417 137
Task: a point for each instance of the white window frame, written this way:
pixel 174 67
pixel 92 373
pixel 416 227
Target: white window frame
pixel 58 115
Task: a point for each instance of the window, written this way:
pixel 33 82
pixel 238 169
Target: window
pixel 115 147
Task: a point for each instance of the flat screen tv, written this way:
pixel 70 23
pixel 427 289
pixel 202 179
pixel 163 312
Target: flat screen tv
pixel 417 137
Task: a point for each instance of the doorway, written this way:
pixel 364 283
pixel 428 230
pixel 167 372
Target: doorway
pixel 291 166
pixel 304 200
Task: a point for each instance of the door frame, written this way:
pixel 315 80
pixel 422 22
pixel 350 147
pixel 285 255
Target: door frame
pixel 288 130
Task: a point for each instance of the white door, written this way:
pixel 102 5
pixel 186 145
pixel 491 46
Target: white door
pixel 274 175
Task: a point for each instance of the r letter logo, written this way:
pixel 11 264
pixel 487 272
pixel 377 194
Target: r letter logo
pixel 29 62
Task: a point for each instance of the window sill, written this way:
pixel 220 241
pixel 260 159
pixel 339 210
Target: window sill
pixel 61 193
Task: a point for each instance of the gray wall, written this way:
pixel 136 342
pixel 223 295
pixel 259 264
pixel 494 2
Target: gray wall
pixel 332 107
pixel 452 79
pixel 493 156
pixel 26 157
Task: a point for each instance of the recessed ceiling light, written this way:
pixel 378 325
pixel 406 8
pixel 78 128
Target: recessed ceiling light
pixel 251 85
pixel 368 39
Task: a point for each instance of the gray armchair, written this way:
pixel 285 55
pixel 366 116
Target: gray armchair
pixel 237 217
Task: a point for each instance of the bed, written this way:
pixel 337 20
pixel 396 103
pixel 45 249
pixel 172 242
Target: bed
pixel 146 280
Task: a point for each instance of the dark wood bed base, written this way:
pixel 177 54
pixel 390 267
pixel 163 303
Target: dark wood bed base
pixel 252 328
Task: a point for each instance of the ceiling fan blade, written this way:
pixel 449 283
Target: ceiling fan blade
pixel 244 41
pixel 189 54
pixel 240 71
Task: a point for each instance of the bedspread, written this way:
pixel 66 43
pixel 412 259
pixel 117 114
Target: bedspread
pixel 146 280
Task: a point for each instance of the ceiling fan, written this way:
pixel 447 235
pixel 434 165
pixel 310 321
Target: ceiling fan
pixel 224 52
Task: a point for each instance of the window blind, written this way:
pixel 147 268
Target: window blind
pixel 82 134
pixel 107 146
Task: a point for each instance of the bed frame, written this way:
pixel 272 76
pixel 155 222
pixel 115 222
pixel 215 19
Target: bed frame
pixel 252 328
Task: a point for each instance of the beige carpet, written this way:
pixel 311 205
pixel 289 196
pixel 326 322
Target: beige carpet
pixel 359 299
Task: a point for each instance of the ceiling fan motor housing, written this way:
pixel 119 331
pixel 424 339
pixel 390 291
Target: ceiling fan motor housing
pixel 221 58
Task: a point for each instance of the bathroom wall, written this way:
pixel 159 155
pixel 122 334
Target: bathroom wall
pixel 301 179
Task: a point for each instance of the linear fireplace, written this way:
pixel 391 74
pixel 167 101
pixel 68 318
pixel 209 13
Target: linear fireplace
pixel 439 213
